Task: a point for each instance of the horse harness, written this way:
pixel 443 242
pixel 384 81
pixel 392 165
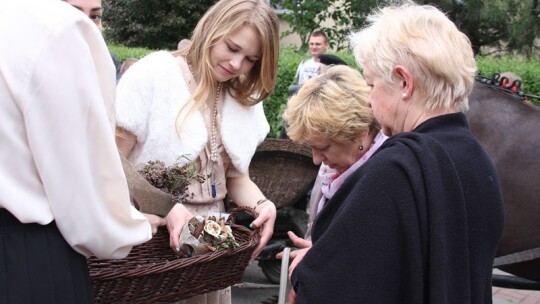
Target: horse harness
pixel 503 84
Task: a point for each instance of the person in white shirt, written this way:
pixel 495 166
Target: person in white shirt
pixel 309 68
pixel 63 192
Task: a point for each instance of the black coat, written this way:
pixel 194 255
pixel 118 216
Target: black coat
pixel 418 223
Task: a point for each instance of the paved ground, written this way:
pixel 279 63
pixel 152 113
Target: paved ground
pixel 514 296
pixel 256 289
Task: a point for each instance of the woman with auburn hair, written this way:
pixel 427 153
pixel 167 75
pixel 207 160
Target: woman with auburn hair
pixel 419 222
pixel 203 102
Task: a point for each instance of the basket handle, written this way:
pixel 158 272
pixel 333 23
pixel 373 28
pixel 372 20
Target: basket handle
pixel 234 212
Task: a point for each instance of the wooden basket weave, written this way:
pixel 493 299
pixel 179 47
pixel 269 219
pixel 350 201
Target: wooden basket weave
pixel 283 170
pixel 152 272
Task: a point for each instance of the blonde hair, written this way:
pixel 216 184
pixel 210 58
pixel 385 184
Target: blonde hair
pixel 224 18
pixel 331 105
pixel 423 39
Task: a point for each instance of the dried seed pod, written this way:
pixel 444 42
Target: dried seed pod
pixel 228 231
pixel 199 229
pixel 212 228
pixel 222 225
pixel 209 247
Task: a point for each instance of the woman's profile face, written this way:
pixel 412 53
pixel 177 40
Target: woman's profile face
pixel 235 54
pixel 384 100
pixel 338 156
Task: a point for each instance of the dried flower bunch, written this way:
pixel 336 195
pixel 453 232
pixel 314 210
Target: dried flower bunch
pixel 171 179
pixel 212 232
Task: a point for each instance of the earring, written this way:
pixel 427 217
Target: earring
pixel 404 94
pixel 361 147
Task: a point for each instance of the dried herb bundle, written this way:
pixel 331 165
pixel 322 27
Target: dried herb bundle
pixel 171 179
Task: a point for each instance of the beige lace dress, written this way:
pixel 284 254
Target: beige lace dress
pixel 203 200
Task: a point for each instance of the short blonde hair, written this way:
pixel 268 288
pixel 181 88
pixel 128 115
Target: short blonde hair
pixel 331 105
pixel 423 39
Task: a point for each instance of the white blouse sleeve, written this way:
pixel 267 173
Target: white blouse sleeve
pixel 70 129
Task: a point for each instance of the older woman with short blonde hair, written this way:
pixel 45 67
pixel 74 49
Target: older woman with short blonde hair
pixel 332 105
pixel 330 113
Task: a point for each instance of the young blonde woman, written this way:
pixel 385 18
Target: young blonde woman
pixel 203 102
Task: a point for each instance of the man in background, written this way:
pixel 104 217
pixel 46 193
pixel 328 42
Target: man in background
pixel 309 68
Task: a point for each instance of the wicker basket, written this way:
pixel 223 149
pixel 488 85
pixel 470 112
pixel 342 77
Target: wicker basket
pixel 153 273
pixel 283 170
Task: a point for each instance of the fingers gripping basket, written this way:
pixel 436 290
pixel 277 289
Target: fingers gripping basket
pixel 152 272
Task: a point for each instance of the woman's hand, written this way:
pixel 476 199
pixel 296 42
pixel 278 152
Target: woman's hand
pixel 292 297
pixel 265 217
pixel 300 253
pixel 155 221
pixel 296 255
pixel 176 219
pixel 298 242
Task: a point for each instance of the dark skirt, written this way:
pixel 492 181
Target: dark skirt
pixel 38 266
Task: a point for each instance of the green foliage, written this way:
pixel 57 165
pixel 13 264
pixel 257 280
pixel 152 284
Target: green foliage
pixel 349 15
pixel 525 30
pixel 157 24
pixel 495 26
pixel 124 52
pixel 491 25
pixel 274 105
pixel 304 17
pixel 527 69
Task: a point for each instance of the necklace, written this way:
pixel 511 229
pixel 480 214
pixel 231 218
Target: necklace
pixel 213 141
pixel 213 137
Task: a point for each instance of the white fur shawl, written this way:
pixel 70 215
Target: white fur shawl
pixel 148 99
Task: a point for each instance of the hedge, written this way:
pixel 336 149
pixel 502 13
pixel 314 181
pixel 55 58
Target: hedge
pixel 152 23
pixel 528 69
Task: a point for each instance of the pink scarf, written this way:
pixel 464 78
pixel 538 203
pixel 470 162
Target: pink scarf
pixel 331 180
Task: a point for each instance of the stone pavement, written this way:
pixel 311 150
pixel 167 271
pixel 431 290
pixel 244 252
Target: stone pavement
pixel 515 296
pixel 255 288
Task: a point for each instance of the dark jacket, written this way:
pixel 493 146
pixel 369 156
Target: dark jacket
pixel 418 223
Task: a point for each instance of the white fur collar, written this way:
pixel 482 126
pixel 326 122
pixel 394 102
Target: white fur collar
pixel 242 130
